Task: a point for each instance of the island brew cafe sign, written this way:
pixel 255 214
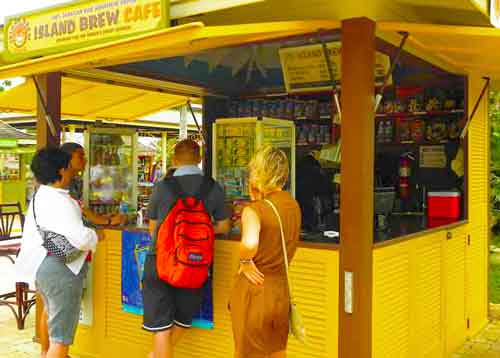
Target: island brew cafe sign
pixel 84 23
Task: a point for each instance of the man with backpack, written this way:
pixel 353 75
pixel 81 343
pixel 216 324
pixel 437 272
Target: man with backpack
pixel 186 210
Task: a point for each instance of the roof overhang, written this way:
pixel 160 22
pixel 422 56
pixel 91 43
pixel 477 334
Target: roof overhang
pixel 460 49
pixel 97 100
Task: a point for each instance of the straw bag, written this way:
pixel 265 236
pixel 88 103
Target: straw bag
pixel 296 323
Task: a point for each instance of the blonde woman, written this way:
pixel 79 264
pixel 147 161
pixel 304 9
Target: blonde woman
pixel 259 301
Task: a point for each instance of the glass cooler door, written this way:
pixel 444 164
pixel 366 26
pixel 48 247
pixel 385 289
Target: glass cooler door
pixel 111 176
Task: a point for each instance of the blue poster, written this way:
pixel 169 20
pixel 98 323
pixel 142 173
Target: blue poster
pixel 135 246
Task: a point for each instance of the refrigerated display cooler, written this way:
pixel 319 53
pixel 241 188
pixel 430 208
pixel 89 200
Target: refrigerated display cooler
pixel 236 140
pixel 110 181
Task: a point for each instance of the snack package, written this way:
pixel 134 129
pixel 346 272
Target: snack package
pixel 311 109
pixel 244 109
pixel 380 131
pixel 299 109
pixel 436 131
pixel 389 131
pixel 256 108
pixel 325 109
pixel 289 109
pixel 403 130
pixel 417 128
pixel 302 135
pixel 281 109
pixel 265 108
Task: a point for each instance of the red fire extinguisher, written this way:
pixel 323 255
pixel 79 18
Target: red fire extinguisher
pixel 404 175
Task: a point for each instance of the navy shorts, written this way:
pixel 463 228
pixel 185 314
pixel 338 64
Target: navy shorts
pixel 165 305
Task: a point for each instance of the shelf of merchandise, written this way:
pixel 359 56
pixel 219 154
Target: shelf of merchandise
pixel 420 114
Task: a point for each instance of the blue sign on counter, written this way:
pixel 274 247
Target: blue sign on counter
pixel 135 246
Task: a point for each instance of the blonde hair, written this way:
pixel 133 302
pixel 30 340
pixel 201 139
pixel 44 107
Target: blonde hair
pixel 268 169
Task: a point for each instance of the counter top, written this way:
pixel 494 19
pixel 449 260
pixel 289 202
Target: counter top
pixel 405 227
pixel 401 227
pixel 308 240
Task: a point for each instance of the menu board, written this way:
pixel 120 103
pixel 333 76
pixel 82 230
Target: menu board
pixel 432 156
pixel 305 68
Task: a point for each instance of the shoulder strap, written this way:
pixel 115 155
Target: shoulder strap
pixel 34 211
pixel 175 187
pixel 285 256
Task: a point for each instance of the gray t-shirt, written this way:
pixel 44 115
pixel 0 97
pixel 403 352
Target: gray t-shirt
pixel 163 199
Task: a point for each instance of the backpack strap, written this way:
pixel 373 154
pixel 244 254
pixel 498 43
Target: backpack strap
pixel 205 188
pixel 175 187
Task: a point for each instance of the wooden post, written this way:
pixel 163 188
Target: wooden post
pixel 357 173
pixel 50 90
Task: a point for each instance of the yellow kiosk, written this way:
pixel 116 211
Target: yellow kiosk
pixel 414 295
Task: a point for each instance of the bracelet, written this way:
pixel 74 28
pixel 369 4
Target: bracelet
pixel 246 261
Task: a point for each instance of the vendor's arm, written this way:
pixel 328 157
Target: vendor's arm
pixel 97 219
pixel 250 223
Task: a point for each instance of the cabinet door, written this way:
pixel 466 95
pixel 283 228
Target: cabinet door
pixel 477 279
pixel 456 320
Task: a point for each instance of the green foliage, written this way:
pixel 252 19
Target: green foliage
pixel 494 113
pixel 5 84
pixel 494 277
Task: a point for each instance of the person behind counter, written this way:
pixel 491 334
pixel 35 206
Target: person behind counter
pixel 168 310
pixel 260 301
pixel 78 163
pixel 60 284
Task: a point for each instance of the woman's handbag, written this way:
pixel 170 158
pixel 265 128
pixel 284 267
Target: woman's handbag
pixel 57 245
pixel 297 327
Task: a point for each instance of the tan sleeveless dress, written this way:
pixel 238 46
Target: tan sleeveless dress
pixel 260 313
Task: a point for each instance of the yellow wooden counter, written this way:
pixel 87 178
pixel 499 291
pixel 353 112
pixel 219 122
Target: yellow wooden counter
pixel 429 292
pixel 114 333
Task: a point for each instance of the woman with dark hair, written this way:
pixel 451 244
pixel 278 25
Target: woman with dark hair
pixel 59 282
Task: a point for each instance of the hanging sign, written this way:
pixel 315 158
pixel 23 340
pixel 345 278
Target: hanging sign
pixel 87 22
pixel 305 67
pixel 432 156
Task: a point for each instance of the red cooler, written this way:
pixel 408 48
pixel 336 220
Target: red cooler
pixel 443 207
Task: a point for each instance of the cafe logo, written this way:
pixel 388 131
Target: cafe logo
pixel 19 33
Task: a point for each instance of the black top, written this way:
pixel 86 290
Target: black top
pixel 163 199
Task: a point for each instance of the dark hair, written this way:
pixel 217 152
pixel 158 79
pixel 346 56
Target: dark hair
pixel 47 163
pixel 70 147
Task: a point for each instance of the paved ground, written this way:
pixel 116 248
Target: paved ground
pixel 14 343
pixel 18 344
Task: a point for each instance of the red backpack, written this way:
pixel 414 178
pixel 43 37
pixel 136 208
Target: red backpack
pixel 185 239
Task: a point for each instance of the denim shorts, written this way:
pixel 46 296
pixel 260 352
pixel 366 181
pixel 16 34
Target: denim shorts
pixel 61 291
